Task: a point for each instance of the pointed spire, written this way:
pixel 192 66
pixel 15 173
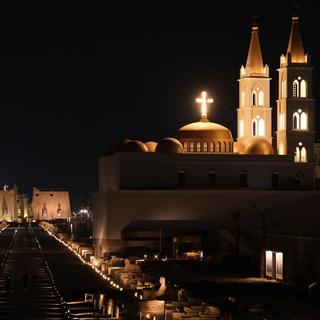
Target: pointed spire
pixel 295 46
pixel 254 61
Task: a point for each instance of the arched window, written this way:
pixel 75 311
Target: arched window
pixel 230 147
pixel 296 121
pixel 297 155
pixel 254 127
pixel 205 147
pixel 261 127
pixel 303 154
pixel 260 98
pixel 283 89
pixel 185 147
pixel 303 89
pixel 218 149
pixel 281 148
pixel 198 146
pixel 303 121
pixel 211 146
pixel 242 98
pixel 191 147
pixel 295 89
pixel 282 123
pixel 254 98
pixel 224 147
pixel 241 128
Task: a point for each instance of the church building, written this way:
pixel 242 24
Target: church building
pixel 202 178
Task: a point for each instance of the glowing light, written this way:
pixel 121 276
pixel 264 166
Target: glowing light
pixel 204 101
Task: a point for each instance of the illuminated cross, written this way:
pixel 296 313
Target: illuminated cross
pixel 204 100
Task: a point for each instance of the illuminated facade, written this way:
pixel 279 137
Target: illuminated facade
pixel 201 174
pixel 48 205
pixel 9 205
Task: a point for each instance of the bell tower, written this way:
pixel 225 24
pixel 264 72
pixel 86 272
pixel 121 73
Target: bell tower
pixel 254 112
pixel 295 104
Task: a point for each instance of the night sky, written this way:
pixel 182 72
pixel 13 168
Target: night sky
pixel 68 91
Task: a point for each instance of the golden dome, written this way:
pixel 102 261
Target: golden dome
pixel 169 145
pixel 204 130
pixel 151 145
pixel 258 146
pixel 238 147
pixel 135 146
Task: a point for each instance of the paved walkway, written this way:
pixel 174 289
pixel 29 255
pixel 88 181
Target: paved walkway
pixel 25 301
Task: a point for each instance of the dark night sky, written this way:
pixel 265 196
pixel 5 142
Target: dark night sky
pixel 68 90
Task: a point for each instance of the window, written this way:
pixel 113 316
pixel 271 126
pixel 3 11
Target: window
pixel 295 89
pixel 254 127
pixel 295 120
pixel 299 89
pixel 283 89
pixel 230 147
pixel 223 147
pixel 218 146
pixel 300 154
pixel 241 128
pixel 282 121
pixel 303 121
pixel 198 146
pixel 242 98
pixel 212 178
pixel 281 148
pixel 300 121
pixel 205 147
pixel 185 146
pixel 261 127
pixel 181 177
pixel 254 98
pixel 211 146
pixel 260 98
pixel 303 154
pixel 303 89
pixel 191 147
pixel 243 178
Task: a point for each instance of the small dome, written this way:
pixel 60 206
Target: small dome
pixel 258 146
pixel 204 130
pixel 169 145
pixel 135 146
pixel 120 146
pixel 151 145
pixel 238 147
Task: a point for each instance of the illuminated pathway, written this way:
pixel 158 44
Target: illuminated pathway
pixel 25 257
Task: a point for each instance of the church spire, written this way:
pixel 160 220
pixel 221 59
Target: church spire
pixel 295 46
pixel 254 61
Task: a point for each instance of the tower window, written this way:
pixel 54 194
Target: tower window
pixel 218 146
pixel 300 120
pixel 191 147
pixel 261 127
pixel 254 127
pixel 295 89
pixel 260 98
pixel 185 146
pixel 241 128
pixel 211 146
pixel 300 154
pixel 303 89
pixel 281 121
pixel 254 98
pixel 205 147
pixel 283 88
pixel 198 147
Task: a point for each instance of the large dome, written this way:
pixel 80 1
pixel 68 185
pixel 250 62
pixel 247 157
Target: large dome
pixel 151 145
pixel 169 145
pixel 204 129
pixel 258 146
pixel 204 137
pixel 135 146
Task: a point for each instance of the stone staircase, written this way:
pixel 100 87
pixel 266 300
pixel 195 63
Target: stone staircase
pixel 42 301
